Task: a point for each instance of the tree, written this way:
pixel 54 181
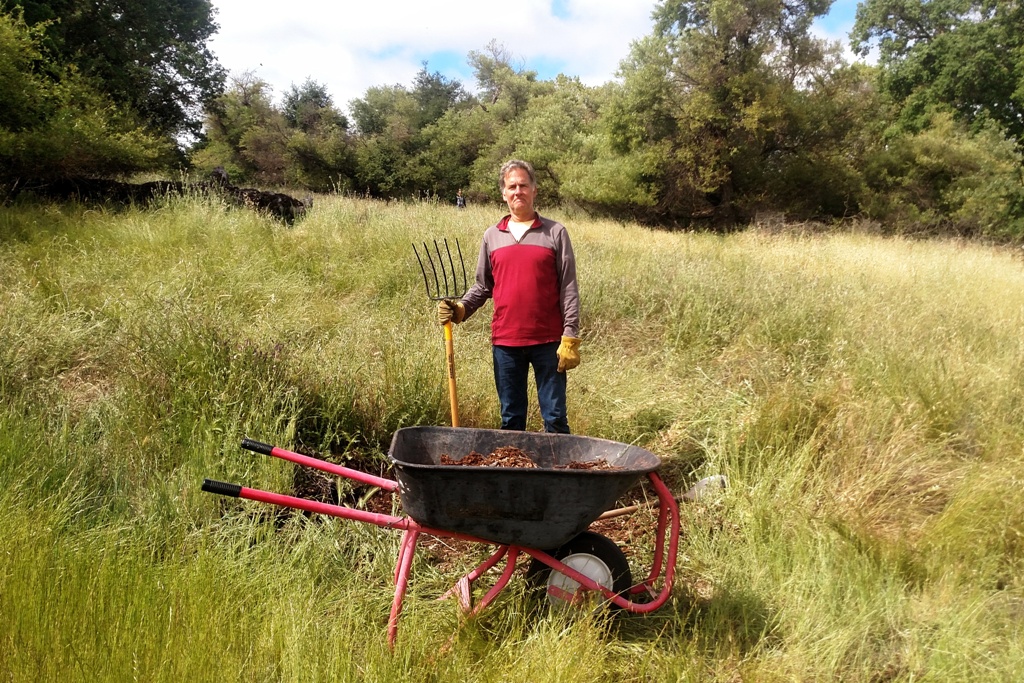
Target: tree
pixel 386 118
pixel 505 87
pixel 448 149
pixel 736 64
pixel 319 152
pixel 245 133
pixel 948 179
pixel 507 94
pixel 550 132
pixel 402 143
pixel 435 94
pixel 309 107
pixel 714 105
pixel 55 124
pixel 322 162
pixel 967 55
pixel 953 72
pixel 385 108
pixel 303 144
pixel 149 56
pixel 492 69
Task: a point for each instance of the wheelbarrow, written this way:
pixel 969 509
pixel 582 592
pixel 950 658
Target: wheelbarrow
pixel 542 512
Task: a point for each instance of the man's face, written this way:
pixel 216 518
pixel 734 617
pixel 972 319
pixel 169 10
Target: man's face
pixel 519 194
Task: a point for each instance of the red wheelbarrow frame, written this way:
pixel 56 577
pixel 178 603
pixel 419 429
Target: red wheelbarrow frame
pixel 664 558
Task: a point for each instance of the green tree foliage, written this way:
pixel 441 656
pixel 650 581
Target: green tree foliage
pixel 953 73
pixel 435 95
pixel 551 132
pixel 245 133
pixel 449 148
pixel 305 143
pixel 386 118
pixel 415 141
pixel 54 123
pixel 948 179
pixel 728 109
pixel 385 109
pixel 309 108
pixel 509 96
pixel 721 101
pixel 149 56
pixel 812 166
pixel 735 65
pixel 319 149
pixel 505 87
pixel 967 55
pixel 433 139
pixel 627 169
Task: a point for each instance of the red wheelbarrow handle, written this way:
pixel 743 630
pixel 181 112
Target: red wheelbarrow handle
pixel 299 459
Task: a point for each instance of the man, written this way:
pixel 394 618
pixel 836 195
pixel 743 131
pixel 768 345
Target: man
pixel 527 265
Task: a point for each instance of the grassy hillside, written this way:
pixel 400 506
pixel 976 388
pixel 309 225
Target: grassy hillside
pixel 865 397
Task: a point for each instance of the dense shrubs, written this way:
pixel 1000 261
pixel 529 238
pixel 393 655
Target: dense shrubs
pixel 54 123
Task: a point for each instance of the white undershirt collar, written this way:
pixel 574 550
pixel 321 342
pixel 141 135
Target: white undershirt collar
pixel 518 229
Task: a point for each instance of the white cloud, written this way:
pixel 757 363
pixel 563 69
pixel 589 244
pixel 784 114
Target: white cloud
pixel 350 46
pixel 836 27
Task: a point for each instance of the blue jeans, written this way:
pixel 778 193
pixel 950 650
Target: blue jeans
pixel 511 368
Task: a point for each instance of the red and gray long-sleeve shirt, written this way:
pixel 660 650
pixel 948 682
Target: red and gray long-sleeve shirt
pixel 532 282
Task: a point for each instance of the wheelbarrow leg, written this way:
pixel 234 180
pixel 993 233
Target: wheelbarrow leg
pixel 463 587
pixel 405 555
pixel 512 554
pixel 668 528
pixel 510 566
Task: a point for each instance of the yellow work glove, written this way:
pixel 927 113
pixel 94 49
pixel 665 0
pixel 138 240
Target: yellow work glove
pixel 450 311
pixel 568 353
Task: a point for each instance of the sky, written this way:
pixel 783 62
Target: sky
pixel 350 46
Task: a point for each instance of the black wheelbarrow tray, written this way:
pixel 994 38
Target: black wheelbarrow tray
pixel 543 511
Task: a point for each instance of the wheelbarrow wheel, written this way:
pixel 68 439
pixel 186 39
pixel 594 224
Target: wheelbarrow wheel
pixel 595 556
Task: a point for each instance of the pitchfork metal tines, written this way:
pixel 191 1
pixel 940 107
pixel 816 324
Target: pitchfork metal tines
pixel 442 271
pixel 446 286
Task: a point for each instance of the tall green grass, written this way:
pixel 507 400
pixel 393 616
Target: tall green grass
pixel 865 397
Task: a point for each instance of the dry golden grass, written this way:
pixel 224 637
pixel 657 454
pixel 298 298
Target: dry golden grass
pixel 864 396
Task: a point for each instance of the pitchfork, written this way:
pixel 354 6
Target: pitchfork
pixel 449 282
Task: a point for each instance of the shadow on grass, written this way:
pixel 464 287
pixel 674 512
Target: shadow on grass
pixel 733 619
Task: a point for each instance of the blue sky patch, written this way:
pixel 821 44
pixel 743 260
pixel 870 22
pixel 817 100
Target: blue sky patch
pixel 560 8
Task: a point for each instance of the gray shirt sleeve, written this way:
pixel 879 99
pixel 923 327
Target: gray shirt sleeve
pixel 483 284
pixel 569 295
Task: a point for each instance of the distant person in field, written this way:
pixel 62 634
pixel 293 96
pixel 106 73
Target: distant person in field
pixel 460 201
pixel 527 266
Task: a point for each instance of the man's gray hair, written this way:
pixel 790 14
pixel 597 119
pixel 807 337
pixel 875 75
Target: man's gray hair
pixel 514 164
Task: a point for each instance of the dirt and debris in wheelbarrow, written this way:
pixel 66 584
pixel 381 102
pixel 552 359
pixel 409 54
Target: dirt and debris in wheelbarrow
pixel 510 456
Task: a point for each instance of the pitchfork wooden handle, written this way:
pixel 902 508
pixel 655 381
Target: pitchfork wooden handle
pixel 449 351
